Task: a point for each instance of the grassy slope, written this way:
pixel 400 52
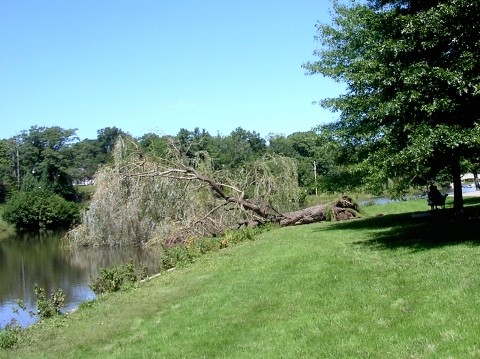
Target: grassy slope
pixel 385 287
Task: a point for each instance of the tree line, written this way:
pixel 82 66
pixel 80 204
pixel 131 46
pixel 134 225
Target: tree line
pixel 54 159
pixel 409 116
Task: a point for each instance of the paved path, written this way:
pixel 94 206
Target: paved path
pixel 472 194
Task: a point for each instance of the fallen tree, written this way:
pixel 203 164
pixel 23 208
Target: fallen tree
pixel 143 200
pixel 342 209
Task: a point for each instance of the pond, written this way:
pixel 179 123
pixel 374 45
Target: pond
pixel 466 188
pixel 42 259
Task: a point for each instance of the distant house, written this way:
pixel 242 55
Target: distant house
pixel 84 182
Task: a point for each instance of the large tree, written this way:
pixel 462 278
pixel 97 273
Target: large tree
pixel 7 168
pixel 240 147
pixel 412 76
pixel 87 155
pixel 106 138
pixel 315 157
pixel 44 159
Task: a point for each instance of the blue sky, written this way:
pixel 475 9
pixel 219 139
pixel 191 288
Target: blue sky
pixel 161 65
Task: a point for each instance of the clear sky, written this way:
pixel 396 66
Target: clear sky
pixel 161 65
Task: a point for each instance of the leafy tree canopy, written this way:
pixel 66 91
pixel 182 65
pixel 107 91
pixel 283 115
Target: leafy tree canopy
pixel 412 74
pixel 44 156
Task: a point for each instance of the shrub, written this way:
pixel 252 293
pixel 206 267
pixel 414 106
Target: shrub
pixel 117 278
pixel 86 304
pixel 48 307
pixel 244 234
pixel 9 336
pixel 208 244
pixel 183 254
pixel 180 255
pixel 34 210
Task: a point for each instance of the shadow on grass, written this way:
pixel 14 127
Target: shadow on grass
pixel 419 230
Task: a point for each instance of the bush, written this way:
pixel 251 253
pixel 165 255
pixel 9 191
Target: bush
pixel 180 255
pixel 184 254
pixel 46 308
pixel 245 234
pixel 49 307
pixel 208 244
pixel 117 278
pixel 34 210
pixel 9 336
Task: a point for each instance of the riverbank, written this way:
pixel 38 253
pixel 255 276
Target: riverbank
pixel 384 286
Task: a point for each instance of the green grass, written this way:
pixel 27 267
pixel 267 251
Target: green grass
pixel 389 286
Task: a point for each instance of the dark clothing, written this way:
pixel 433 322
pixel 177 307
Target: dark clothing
pixel 434 194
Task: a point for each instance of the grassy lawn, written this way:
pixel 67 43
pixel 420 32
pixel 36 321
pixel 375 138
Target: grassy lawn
pixel 388 286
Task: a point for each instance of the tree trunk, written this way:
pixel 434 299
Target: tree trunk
pixel 457 185
pixel 340 210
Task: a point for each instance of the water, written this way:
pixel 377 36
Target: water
pixel 29 259
pixel 466 188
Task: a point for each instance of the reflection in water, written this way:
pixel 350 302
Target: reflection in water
pixel 29 259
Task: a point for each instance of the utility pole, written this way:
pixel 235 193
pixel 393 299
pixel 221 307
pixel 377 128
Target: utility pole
pixel 315 176
pixel 18 167
pixel 15 153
